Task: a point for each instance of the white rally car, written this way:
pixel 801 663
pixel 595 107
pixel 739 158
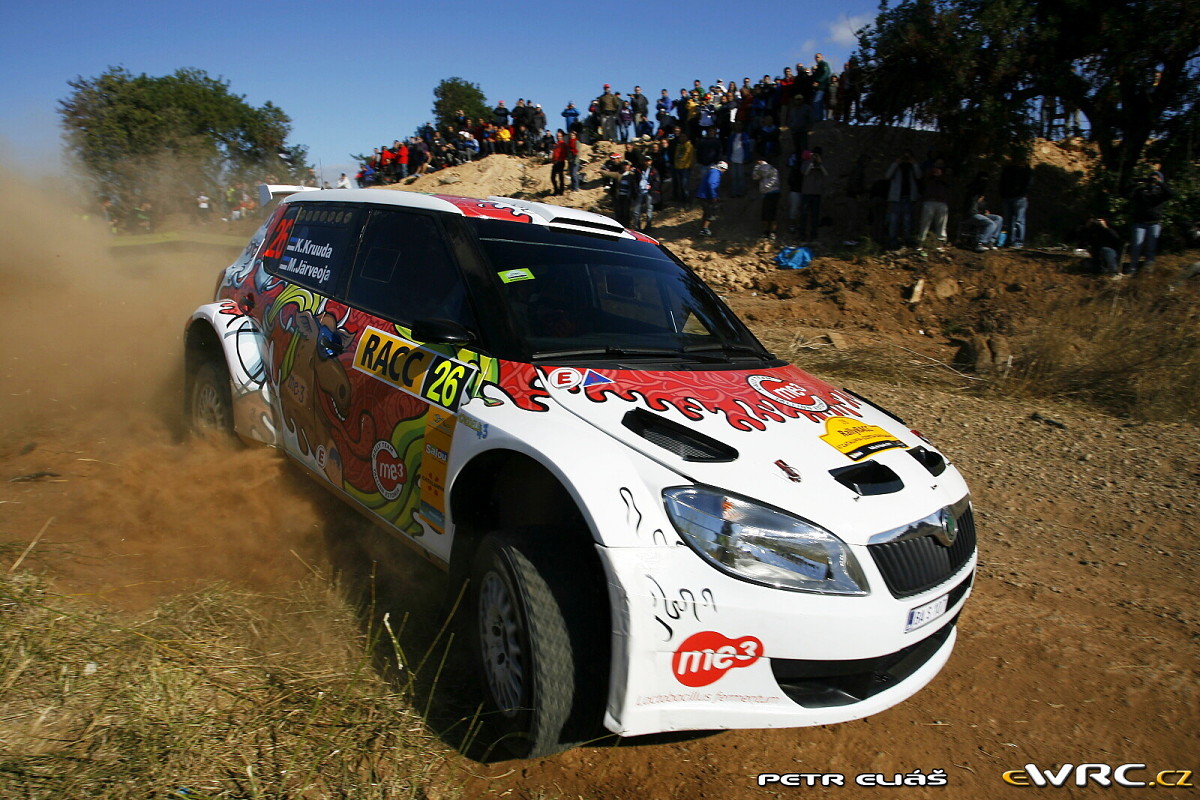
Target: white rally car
pixel 661 525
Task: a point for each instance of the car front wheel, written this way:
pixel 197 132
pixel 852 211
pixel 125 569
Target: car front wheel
pixel 522 645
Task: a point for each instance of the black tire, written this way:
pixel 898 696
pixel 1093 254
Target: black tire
pixel 520 608
pixel 210 403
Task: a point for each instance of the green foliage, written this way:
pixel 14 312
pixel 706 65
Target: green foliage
pixel 976 68
pixel 453 95
pixel 163 139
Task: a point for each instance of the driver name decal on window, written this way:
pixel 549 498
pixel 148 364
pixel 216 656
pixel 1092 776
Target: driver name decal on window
pixel 412 369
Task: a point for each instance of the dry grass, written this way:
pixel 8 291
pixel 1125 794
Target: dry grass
pixel 219 694
pixel 1134 354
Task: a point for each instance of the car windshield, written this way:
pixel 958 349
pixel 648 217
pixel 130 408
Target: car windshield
pixel 572 295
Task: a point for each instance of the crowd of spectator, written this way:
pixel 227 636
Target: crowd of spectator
pixel 726 138
pixel 713 118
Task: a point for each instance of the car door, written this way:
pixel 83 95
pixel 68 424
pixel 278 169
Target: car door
pixel 308 254
pixel 405 394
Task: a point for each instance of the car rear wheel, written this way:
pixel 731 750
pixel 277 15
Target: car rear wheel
pixel 521 607
pixel 210 404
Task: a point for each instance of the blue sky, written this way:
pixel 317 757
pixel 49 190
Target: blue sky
pixel 355 74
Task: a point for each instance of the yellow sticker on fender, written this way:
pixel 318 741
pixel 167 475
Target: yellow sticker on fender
pixel 413 369
pixel 856 439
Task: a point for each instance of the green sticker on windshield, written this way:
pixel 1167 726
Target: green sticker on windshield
pixel 514 275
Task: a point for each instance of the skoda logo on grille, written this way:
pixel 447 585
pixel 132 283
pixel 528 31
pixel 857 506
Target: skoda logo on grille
pixel 948 529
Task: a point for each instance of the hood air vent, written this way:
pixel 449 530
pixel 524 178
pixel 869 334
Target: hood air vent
pixel 678 439
pixel 868 479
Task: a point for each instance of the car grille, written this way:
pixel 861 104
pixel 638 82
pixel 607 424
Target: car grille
pixel 912 566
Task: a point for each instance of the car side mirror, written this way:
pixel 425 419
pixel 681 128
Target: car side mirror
pixel 441 331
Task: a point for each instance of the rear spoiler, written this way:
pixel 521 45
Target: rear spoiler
pixel 266 191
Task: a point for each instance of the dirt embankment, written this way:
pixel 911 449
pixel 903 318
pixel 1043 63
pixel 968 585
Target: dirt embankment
pixel 1080 644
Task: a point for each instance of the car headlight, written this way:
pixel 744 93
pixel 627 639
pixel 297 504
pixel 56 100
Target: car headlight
pixel 763 545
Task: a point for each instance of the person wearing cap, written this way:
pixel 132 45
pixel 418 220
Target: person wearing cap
pixel 709 195
pixel 537 120
pixel 607 105
pixel 768 185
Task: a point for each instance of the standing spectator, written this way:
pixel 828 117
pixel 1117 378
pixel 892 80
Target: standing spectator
pixel 402 160
pixel 343 182
pixel 935 204
pixel 558 166
pixel 800 122
pixel 1015 179
pixel 815 179
pixel 625 121
pixel 795 183
pixel 708 148
pixel 607 106
pixel 1147 199
pixel 641 107
pixel 573 159
pixel 767 137
pixel 709 195
pixel 203 208
pixel 500 115
pixel 768 186
pixel 663 112
pixel 648 189
pixel 537 121
pixel 821 75
pixel 624 189
pixel 902 177
pixel 520 114
pixel 848 92
pixel 739 153
pixel 570 116
pixel 683 156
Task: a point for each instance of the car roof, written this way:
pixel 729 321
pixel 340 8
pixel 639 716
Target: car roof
pixel 510 209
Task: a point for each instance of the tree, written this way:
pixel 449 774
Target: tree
pixel 975 68
pixel 453 95
pixel 163 139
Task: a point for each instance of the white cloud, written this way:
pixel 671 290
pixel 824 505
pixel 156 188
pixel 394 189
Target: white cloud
pixel 842 30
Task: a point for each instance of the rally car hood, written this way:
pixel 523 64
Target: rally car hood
pixel 778 436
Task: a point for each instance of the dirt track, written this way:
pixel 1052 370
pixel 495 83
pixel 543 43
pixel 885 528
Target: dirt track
pixel 1079 645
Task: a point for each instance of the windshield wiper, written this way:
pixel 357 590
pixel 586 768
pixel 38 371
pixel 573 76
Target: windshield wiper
pixel 622 352
pixel 730 347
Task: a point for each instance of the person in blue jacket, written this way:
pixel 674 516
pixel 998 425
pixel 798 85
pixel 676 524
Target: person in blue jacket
pixel 708 195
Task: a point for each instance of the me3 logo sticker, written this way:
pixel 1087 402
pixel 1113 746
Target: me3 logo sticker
pixel 705 657
pixel 413 369
pixel 787 392
pixel 388 470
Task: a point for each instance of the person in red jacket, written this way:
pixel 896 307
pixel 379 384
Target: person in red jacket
pixel 402 159
pixel 563 149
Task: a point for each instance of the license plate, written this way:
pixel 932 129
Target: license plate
pixel 924 614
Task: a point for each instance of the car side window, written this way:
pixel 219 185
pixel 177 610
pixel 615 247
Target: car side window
pixel 405 272
pixel 311 245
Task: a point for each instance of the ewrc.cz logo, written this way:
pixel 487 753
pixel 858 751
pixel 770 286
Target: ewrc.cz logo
pixel 1098 774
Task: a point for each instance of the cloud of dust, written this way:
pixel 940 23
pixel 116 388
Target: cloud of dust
pixel 87 333
pixel 90 389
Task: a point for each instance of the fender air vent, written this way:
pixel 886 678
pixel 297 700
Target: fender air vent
pixel 678 439
pixel 868 478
